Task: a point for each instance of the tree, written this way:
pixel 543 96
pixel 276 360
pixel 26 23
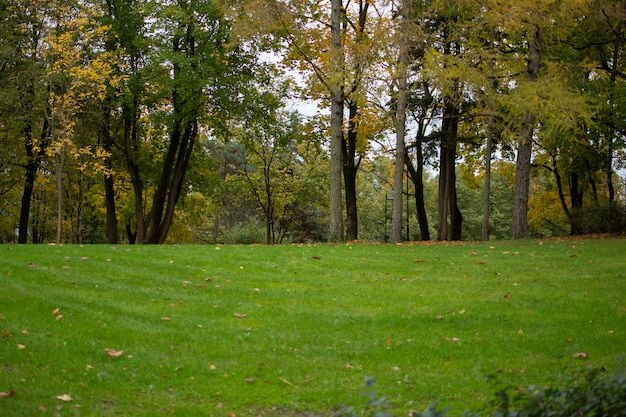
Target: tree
pixel 24 28
pixel 401 110
pixel 186 76
pixel 519 223
pixel 542 33
pixel 336 123
pixel 445 67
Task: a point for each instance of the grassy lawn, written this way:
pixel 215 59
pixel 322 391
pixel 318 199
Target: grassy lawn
pixel 284 330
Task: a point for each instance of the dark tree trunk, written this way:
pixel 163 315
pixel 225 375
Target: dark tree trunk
pixel 416 175
pixel 34 153
pixel 109 183
pixel 180 148
pixel 519 223
pixel 447 202
pixel 131 149
pixel 576 197
pixel 489 143
pixel 350 169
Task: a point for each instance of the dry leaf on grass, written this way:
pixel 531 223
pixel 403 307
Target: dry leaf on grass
pixel 240 315
pixel 114 353
pixel 4 395
pixel 64 397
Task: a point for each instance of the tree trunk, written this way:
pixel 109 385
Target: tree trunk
pixel 559 187
pixel 416 175
pixel 401 107
pixel 109 183
pixel 442 193
pixel 34 153
pixel 519 223
pixel 131 148
pixel 29 183
pixel 59 164
pixel 336 124
pixel 350 169
pixel 489 144
pixel 79 217
pixel 447 201
pixel 487 184
pixel 178 180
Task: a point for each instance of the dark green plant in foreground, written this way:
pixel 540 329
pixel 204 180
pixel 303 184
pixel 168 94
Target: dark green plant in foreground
pixel 596 394
pixel 375 405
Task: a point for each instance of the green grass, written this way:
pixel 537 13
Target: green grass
pixel 449 323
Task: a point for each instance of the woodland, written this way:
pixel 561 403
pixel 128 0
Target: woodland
pixel 281 121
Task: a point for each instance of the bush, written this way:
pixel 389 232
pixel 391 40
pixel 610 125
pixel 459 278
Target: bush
pixel 594 395
pixel 599 219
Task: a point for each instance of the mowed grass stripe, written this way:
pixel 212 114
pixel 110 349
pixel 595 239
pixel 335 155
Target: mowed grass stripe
pixel 284 329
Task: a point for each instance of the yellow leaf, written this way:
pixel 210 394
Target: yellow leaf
pixel 64 397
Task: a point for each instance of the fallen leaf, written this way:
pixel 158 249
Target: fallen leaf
pixel 316 257
pixel 56 312
pixel 208 279
pixel 581 355
pixel 42 408
pixel 185 283
pixel 240 315
pixel 59 317
pixel 462 311
pixel 84 258
pixel 250 380
pixel 64 397
pixel 165 318
pixel 114 353
pixel 21 346
pixel 7 394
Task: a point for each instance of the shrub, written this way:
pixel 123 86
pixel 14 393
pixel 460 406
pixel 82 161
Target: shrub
pixel 594 395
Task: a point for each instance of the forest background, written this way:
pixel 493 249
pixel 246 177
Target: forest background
pixel 189 121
